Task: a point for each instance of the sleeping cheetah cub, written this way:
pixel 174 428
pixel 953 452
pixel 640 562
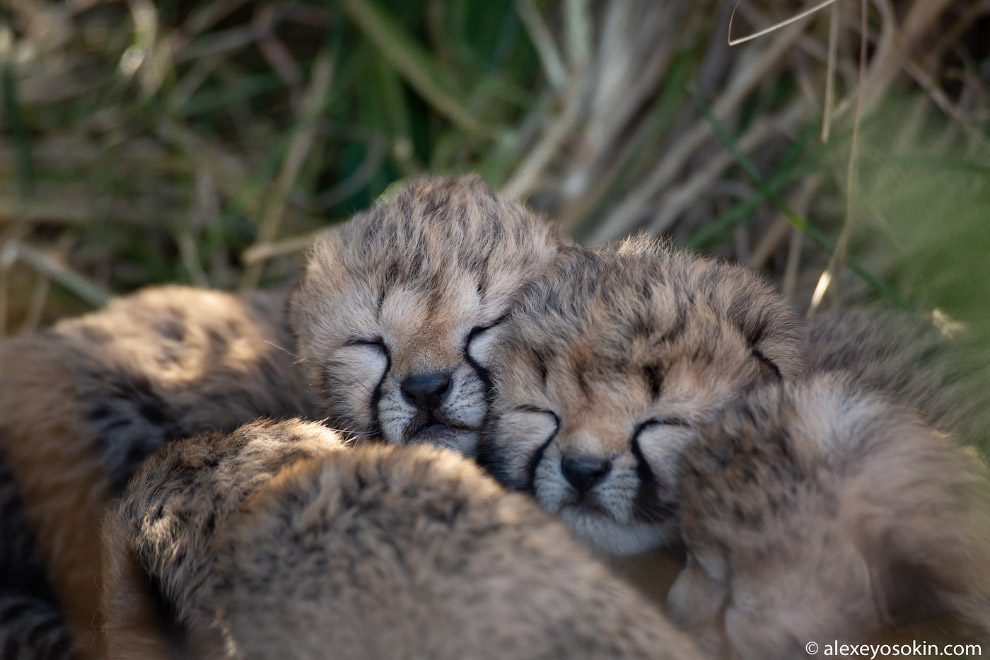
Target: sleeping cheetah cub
pixel 279 541
pixel 394 308
pixel 82 403
pixel 821 511
pixel 604 371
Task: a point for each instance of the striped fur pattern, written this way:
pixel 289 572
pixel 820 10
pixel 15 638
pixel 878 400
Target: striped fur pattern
pixel 279 541
pixel 33 627
pixel 821 511
pixel 32 623
pixel 407 290
pixel 606 368
pixel 82 404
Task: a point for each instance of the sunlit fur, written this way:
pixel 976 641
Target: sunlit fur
pixel 82 403
pixel 398 290
pixel 622 354
pixel 821 511
pixel 278 541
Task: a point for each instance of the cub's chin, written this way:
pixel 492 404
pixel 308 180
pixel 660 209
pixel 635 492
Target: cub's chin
pixel 603 534
pixel 463 441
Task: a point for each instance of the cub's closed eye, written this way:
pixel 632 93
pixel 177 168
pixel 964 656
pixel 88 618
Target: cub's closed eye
pixel 375 342
pixel 530 422
pixel 664 421
pixel 538 410
pixel 479 342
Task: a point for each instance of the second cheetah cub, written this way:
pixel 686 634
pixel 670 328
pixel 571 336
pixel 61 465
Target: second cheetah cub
pixel 393 310
pixel 820 511
pixel 279 541
pixel 606 368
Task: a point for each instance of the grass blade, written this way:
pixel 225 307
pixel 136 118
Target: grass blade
pixel 798 221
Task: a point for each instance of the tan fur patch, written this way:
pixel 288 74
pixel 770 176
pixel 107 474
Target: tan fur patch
pixel 84 402
pixel 288 544
pixel 820 511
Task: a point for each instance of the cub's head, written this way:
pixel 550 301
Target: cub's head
pixel 605 369
pixel 396 301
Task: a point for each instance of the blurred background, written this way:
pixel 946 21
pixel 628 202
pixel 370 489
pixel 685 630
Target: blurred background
pixel 209 142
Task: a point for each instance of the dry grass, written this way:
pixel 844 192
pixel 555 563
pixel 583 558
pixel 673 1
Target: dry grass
pixel 209 142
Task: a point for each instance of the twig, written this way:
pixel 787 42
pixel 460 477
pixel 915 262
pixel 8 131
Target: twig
pixel 91 292
pixel 772 28
pixel 833 49
pixel 293 244
pixel 299 148
pixel 626 216
pixel 525 179
pixel 546 49
pixel 838 256
pixel 686 195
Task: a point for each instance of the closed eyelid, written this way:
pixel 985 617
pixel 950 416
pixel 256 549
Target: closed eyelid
pixel 362 341
pixel 537 409
pixel 662 421
pixel 477 330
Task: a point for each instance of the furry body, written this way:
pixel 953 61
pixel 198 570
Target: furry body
pixel 279 540
pixel 81 404
pixel 822 511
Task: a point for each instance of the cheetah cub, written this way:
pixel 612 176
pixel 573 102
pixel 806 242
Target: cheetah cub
pixel 394 309
pixel 82 403
pixel 280 541
pixel 820 511
pixel 606 368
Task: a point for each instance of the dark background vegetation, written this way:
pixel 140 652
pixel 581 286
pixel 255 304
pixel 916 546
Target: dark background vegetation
pixel 208 142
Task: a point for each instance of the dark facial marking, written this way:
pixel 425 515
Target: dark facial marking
pixel 376 394
pixel 537 457
pixel 654 380
pixel 483 373
pixel 767 368
pixel 648 505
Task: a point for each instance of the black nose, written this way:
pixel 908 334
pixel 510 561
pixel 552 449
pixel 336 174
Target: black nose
pixel 584 471
pixel 426 391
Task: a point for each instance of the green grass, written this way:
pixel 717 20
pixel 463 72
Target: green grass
pixel 131 156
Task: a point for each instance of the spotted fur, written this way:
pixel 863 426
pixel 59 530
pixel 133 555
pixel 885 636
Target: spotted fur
pixel 407 290
pixel 279 541
pixel 821 511
pixel 82 403
pixel 614 359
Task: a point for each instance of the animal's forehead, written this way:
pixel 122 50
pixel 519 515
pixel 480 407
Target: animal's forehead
pixel 620 338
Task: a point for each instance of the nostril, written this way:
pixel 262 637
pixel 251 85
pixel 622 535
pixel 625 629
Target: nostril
pixel 583 472
pixel 426 391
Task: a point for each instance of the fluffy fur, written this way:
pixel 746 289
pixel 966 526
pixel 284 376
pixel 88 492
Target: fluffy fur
pixel 82 403
pixel 280 541
pixel 617 357
pixel 821 511
pixel 407 290
pixel 911 360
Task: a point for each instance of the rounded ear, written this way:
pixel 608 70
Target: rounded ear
pixel 774 331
